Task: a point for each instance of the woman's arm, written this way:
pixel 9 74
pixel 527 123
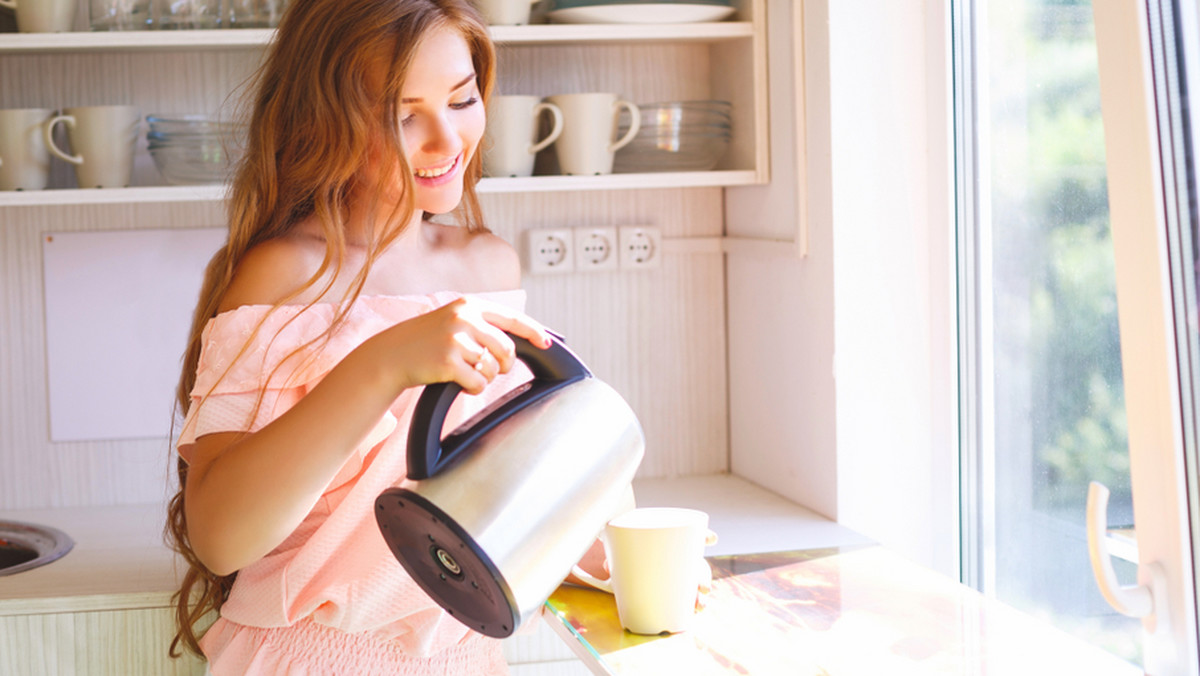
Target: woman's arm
pixel 246 493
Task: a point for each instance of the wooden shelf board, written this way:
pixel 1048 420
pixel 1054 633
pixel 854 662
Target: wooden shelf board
pixel 212 193
pixel 161 40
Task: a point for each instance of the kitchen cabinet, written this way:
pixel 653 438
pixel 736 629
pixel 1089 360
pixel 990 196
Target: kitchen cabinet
pixel 173 72
pixel 608 315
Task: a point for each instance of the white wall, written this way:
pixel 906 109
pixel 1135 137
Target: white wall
pixel 842 362
pixel 656 335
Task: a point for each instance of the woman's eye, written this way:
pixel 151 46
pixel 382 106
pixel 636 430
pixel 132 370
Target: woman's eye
pixel 407 119
pixel 465 104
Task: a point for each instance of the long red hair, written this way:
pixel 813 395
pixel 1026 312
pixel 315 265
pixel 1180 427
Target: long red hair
pixel 318 107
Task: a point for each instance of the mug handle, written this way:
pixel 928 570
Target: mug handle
pixel 635 124
pixel 557 126
pixel 48 135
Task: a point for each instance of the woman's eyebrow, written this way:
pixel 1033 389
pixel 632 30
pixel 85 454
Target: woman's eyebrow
pixel 456 87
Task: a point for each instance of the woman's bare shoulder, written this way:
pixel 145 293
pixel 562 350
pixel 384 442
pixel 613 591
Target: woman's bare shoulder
pixel 273 271
pixel 487 262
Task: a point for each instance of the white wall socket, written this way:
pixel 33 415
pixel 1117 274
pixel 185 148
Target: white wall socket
pixel 549 250
pixel 640 246
pixel 595 249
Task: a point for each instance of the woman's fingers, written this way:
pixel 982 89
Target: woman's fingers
pixel 464 341
pixel 490 324
pixel 487 365
pixel 517 324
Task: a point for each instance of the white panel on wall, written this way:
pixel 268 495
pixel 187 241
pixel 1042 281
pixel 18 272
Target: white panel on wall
pixel 118 309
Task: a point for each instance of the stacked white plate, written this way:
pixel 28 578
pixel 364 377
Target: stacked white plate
pixel 639 11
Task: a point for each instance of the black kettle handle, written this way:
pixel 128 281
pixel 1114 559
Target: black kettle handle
pixel 428 453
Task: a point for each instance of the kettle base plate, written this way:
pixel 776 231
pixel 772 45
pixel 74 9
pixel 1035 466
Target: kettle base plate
pixel 446 562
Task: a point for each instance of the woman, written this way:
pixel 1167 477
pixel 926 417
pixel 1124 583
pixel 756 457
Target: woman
pixel 334 298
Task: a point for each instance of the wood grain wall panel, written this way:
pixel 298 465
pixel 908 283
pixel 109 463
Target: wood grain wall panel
pixel 127 642
pixel 641 72
pixel 35 472
pixel 657 336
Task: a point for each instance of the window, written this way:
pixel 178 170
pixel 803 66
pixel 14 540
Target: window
pixel 1078 319
pixel 1048 405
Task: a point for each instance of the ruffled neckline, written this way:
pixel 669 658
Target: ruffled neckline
pixel 244 347
pixel 439 298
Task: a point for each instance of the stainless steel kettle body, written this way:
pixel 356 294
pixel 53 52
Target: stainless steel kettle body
pixel 500 509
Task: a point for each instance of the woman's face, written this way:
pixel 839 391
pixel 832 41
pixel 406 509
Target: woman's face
pixel 441 119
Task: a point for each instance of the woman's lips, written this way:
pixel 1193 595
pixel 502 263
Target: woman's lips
pixel 433 181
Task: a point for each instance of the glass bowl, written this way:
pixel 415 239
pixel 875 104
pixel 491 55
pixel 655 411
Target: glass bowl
pixel 671 152
pixel 194 149
pixel 671 114
pixel 190 163
pixel 191 125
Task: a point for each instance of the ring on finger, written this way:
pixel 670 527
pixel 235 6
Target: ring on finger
pixel 483 355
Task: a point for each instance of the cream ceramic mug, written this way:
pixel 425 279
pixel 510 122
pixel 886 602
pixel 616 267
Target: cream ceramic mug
pixel 24 159
pixel 103 138
pixel 505 12
pixel 589 123
pixel 510 139
pixel 656 560
pixel 43 16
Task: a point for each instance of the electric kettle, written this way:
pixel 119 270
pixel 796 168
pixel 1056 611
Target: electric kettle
pixel 495 514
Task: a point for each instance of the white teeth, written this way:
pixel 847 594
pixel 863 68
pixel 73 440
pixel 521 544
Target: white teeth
pixel 434 173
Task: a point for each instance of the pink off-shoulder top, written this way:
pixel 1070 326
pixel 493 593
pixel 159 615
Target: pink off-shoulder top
pixel 331 598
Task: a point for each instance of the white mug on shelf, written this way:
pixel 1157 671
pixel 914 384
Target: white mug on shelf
pixel 42 16
pixel 505 12
pixel 656 561
pixel 24 159
pixel 585 147
pixel 103 138
pixel 510 140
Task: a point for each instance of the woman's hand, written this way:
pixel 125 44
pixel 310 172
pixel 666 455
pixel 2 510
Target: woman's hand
pixel 463 341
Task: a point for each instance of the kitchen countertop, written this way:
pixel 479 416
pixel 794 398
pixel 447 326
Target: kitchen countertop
pixel 120 562
pixel 855 610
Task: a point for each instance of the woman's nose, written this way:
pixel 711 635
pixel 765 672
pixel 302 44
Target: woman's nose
pixel 443 137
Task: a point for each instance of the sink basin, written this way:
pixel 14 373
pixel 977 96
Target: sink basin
pixel 24 546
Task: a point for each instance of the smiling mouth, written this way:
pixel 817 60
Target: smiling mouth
pixel 437 171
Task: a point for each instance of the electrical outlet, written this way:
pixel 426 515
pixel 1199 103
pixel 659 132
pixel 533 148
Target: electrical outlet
pixel 640 246
pixel 595 249
pixel 549 250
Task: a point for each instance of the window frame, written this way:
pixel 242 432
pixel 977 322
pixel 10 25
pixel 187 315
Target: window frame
pixel 1142 183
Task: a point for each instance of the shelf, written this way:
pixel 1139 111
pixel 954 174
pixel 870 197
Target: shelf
pixel 547 34
pixel 159 40
pixel 683 179
pixel 182 193
pixel 117 41
pixel 214 193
